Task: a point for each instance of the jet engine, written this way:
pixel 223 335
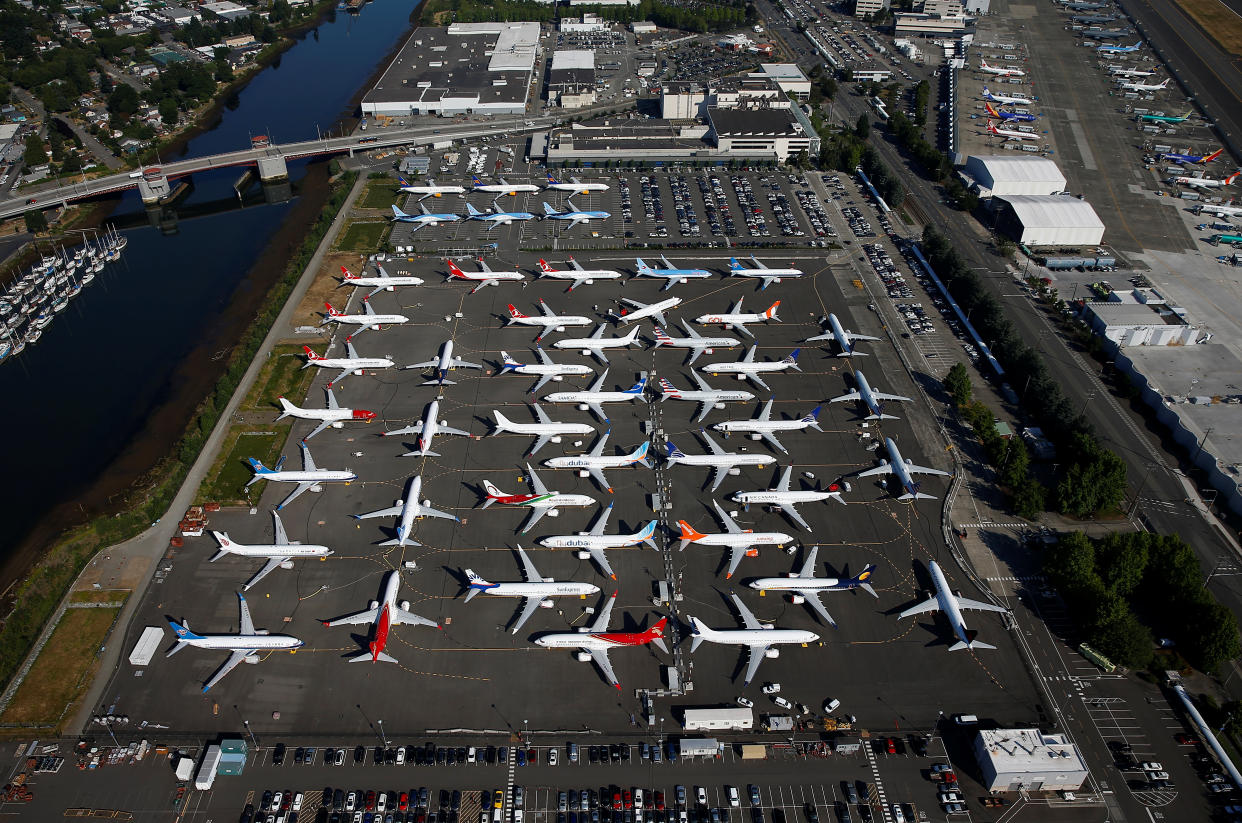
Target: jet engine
pixel 797 599
pixel 405 605
pixel 734 471
pixel 583 407
pixel 719 405
pixel 547 603
pixel 556 438
pixel 316 488
pixel 774 652
pixel 251 658
pixel 374 604
pixel 287 564
pixel 583 554
pixel 583 473
pixel 756 436
pixel 583 657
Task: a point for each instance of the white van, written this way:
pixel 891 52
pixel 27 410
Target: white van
pixel 965 719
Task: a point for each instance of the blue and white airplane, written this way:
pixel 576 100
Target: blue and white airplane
pixel 595 397
pixel 905 471
pixel 502 188
pixel 805 587
pixel 762 272
pixel 593 543
pixel 575 185
pixel 1120 49
pixel 243 646
pixel 1017 117
pixel 424 219
pixel 669 273
pixel 1192 159
pixel 1006 99
pixel 310 477
pixel 497 218
pixel 595 461
pixel 573 214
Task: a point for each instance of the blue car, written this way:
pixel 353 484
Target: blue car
pixel 521 757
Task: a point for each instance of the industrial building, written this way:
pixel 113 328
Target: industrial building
pixel 571 80
pixel 760 131
pixel 1049 220
pixel 730 718
pixel 862 8
pixel 467 68
pixel 589 23
pixel 643 27
pixel 682 100
pixel 1141 317
pixel 787 77
pixel 1004 175
pixel 1028 760
pixel 928 25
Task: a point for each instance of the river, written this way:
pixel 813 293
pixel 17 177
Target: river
pixel 117 374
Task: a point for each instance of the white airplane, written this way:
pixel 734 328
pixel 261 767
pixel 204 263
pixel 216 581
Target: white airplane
pixel 353 364
pixel 333 416
pixel 574 185
pixel 944 600
pixel 904 469
pixel 760 640
pixel 707 397
pixel 593 543
pixel 310 477
pixel 696 342
pixel 545 431
pixel 428 190
pixel 279 554
pixel 594 397
pixel 737 540
pixel 596 343
pixel 721 462
pixel 844 339
pixel 1120 49
pixel 806 587
pixel 503 188
pixel 484 276
pixel 1139 86
pixel 785 498
pixel 595 461
pixel 443 363
pixel 382 281
pixel 1121 71
pixel 765 427
pixel 406 511
pixel 577 274
pixel 595 641
pixel 762 272
pixel 423 218
pixel 1009 134
pixel 1221 210
pixel 243 646
pixel 641 311
pixel 370 320
pixel 383 614
pixel 547 321
pixel 870 398
pixel 1207 182
pixel 545 369
pixel 1000 71
pixel 540 501
pixel 497 218
pixel 426 429
pixel 573 214
pixel 537 591
pixel 748 369
pixel 671 275
pixel 737 319
pixel 1006 99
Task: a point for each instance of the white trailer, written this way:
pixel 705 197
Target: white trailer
pixel 146 647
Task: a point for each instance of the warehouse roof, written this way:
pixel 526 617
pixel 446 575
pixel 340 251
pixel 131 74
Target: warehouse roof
pixel 1029 750
pixel 1053 211
pixel 752 122
pixel 1011 168
pixel 573 59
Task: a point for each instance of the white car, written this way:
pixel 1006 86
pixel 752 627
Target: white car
pixel 734 798
pixel 401 755
pixel 552 757
pixel 831 705
pixel 1152 766
pixel 700 794
pixel 771 688
pixel 746 701
pixel 782 702
pixel 296 805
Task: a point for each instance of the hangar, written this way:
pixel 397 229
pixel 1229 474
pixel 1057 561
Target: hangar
pixel 1001 175
pixel 1028 760
pixel 1049 220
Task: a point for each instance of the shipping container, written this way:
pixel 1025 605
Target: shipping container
pixel 146 647
pixel 207 768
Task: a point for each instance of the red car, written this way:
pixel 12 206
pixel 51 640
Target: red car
pixel 629 799
pixel 659 801
pixel 1186 739
pixel 370 801
pixel 890 745
pixel 616 801
pixel 403 802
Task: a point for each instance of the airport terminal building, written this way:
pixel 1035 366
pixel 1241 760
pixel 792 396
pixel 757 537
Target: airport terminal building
pixel 467 68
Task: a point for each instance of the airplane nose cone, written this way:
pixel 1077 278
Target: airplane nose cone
pixel 363 414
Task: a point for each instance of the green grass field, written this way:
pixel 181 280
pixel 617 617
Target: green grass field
pixel 380 194
pixel 364 237
pixel 282 376
pixel 226 482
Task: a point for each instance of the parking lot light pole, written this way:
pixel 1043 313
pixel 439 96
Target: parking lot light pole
pixel 383 736
pixel 253 742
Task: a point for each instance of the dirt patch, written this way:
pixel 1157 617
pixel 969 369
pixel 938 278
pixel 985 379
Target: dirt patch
pixel 1217 21
pixel 65 665
pixel 324 289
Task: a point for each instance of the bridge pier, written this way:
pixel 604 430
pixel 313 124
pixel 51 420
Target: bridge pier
pixel 153 189
pixel 272 168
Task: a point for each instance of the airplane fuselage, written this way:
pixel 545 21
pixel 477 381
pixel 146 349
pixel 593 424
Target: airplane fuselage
pixel 554 589
pixel 286 550
pixel 590 397
pixel 727 459
pixel 244 641
pixel 317 476
pixel 782 498
pixel 650 310
pixel 592 640
pixel 758 426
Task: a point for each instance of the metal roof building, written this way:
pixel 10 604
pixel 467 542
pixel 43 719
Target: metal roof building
pixel 1049 220
pixel 1028 760
pixel 1000 175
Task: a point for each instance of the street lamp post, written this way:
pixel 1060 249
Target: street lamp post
pixel 253 742
pixel 1146 474
pixel 383 736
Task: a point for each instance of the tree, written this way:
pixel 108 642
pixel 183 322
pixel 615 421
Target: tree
pixel 35 154
pixel 1123 560
pixel 56 143
pixel 957 384
pixel 1211 636
pixel 72 163
pixel 169 112
pixel 1029 498
pixel 1124 640
pixel 1095 482
pixel 1071 562
pixel 123 102
pixel 35 221
pixel 863 127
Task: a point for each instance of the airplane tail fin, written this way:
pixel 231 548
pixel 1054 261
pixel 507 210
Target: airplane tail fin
pixel 311 357
pixel 655 635
pixel 454 271
pixel 183 633
pixel 667 389
pixel 493 493
pixel 288 407
pixel 792 359
pixel 514 313
pixel 674 453
pixel 551 179
pixel 688 534
pixel 699 633
pixel 507 363
pixel 638 388
pixel 476 584
pixel 502 423
pixel 472 211
pixel 991 111
pixel 770 314
pixel 548 210
pixel 647 535
pixel 662 339
pixel 639 455
pixel 641 265
pixel 812 418
pixel 331 311
pixel 734 265
pixel 347 275
pixel 543 264
pixel 972 644
pixel 397 213
pixel 402 181
pixel 1213 155
pixel 260 471
pixel 862 580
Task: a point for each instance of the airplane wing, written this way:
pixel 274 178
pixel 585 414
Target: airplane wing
pixel 529 606
pixel 882 396
pixel 767 281
pixel 541 414
pixel 756 655
pixel 529 572
pixel 367 616
pixel 776 444
pixel 541 441
pixel 332 404
pixel 245 624
pixel 427 511
pixel 931 604
pixel 601 522
pixel 792 514
pixel 344 373
pixel 812 600
pixel 725 520
pixel 740 327
pixel 599 355
pixel 236 657
pixel 747 617
pixel 736 553
pixel 765 414
pixel 546 309
pixel 575 264
pixel 535 482
pixel 719 473
pixel 711 444
pixel 370 308
pixel 808 565
pixel 293 495
pixel 391 511
pixel 598 411
pixel 635 303
pixel 282 539
pixel 308 462
pixel 685 324
pixel 601 560
pixel 323 424
pixel 451 430
pixel 854 395
pixel 783 485
pixel 458 363
pixel 575 220
pixel 600 623
pixel 695 351
pixel 598 474
pixel 424 365
pixel 660 314
pixel 978 605
pixel 883 468
pixel 540 383
pixel 272 563
pixel 598 449
pixel 913 469
pixel 543 356
pixel 400 615
pixel 705 406
pixel 600 656
pixel 757 380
